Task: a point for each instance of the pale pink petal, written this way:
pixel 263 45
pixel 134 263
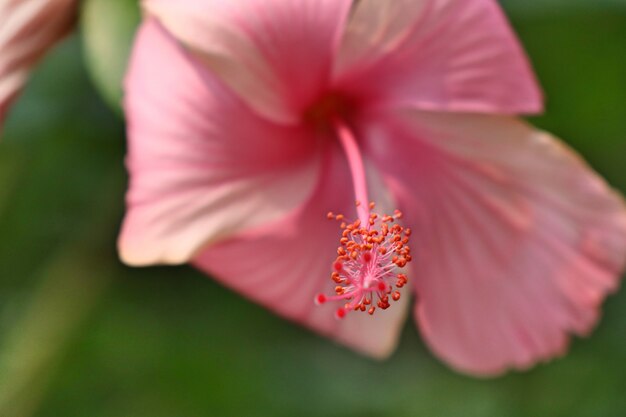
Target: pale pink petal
pixel 202 165
pixel 445 55
pixel 285 265
pixel 28 28
pixel 516 240
pixel 277 54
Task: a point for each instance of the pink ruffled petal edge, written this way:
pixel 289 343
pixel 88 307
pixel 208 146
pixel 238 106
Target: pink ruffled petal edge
pixel 517 241
pixel 438 55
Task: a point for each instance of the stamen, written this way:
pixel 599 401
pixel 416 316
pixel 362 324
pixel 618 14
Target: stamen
pixel 367 268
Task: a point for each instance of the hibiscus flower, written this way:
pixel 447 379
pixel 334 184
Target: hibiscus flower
pixel 250 120
pixel 28 28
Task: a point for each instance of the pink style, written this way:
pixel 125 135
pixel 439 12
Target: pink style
pixel 252 122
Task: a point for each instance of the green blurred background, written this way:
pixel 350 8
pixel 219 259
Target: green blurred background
pixel 82 335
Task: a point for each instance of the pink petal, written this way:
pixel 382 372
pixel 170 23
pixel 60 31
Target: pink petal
pixel 285 265
pixel 446 55
pixel 517 240
pixel 202 165
pixel 28 28
pixel 276 54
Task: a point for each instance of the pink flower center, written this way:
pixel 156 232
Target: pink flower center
pixel 372 249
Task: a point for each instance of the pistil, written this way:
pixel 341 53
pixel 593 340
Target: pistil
pixel 372 250
pixel 357 169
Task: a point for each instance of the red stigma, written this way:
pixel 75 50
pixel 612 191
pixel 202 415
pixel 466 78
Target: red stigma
pixel 320 299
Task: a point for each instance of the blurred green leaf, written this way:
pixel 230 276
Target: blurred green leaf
pixel 560 7
pixel 108 28
pixel 67 289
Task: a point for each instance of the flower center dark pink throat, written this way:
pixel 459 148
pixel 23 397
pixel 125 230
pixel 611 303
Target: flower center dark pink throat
pixel 329 107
